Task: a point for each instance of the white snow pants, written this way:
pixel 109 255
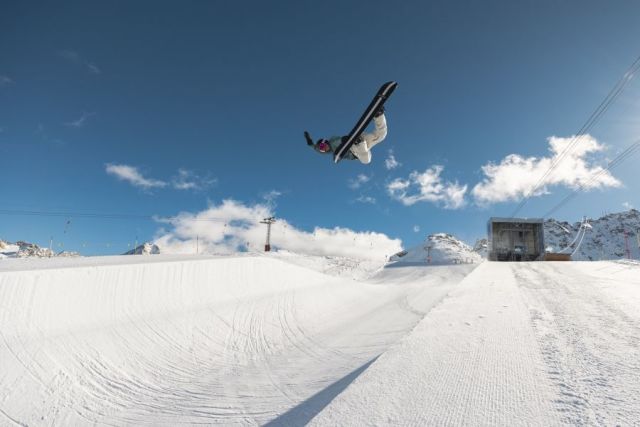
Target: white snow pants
pixel 363 150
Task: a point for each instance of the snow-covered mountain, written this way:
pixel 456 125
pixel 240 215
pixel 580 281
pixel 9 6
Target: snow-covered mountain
pixel 8 249
pixel 605 239
pixel 439 249
pixel 22 249
pixel 481 247
pixel 146 248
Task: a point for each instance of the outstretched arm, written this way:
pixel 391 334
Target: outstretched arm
pixel 308 138
pixel 310 142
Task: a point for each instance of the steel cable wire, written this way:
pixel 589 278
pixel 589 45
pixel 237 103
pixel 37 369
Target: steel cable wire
pixel 604 105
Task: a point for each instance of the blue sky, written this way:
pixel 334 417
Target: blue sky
pixel 156 108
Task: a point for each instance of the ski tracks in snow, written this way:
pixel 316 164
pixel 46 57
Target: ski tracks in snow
pixel 513 344
pixel 589 342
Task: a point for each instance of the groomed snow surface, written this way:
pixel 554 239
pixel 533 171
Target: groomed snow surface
pixel 291 340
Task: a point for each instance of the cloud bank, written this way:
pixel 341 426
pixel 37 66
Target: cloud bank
pixel 515 176
pixel 233 226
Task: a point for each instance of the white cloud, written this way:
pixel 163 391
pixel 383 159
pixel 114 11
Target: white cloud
pixel 627 205
pixel 271 196
pixel 366 199
pixel 74 57
pixel 233 226
pixel 428 187
pixel 5 80
pixel 131 175
pixel 390 162
pixel 78 123
pixel 515 176
pixel 357 182
pixel 416 228
pixel 187 180
pixel 183 180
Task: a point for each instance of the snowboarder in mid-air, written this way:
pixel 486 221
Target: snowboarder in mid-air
pixel 357 144
pixel 361 149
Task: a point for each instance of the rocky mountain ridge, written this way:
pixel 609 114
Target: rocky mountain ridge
pixel 604 238
pixel 439 249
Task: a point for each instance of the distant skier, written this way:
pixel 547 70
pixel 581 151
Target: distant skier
pixel 361 150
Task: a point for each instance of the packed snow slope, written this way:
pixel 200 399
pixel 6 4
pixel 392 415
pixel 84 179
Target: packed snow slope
pixel 246 340
pixel 513 344
pixel 175 340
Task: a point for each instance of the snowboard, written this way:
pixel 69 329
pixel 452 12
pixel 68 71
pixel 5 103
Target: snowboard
pixel 381 97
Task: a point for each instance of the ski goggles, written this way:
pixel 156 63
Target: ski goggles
pixel 324 146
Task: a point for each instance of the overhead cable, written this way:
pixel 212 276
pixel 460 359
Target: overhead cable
pixel 628 152
pixel 586 127
pixel 121 216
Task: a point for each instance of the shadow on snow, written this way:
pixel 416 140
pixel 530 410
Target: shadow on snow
pixel 305 411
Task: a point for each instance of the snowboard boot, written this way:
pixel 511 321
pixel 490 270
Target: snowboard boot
pixel 379 111
pixel 360 145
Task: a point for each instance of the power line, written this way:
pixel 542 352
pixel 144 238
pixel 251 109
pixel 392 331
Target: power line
pixel 628 152
pixel 120 216
pixel 586 127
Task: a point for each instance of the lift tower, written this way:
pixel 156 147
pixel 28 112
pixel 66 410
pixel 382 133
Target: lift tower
pixel 268 221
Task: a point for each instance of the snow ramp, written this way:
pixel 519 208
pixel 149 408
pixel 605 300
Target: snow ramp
pixel 168 340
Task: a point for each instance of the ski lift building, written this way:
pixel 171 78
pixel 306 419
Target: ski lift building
pixel 515 239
